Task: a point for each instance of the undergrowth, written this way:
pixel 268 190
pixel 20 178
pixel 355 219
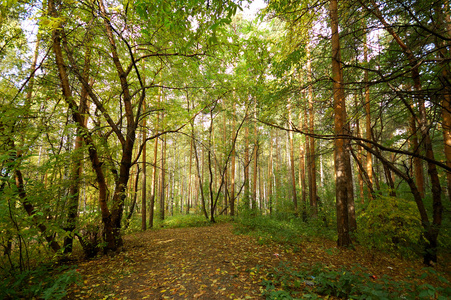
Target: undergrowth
pixel 318 281
pixel 183 221
pixel 176 221
pixel 315 282
pixel 43 282
pixel 286 229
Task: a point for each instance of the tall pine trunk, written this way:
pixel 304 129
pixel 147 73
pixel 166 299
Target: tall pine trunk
pixel 341 156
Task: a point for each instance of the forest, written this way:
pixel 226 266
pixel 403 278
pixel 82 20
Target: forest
pixel 320 119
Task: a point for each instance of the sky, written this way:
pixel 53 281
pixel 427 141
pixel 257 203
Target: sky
pixel 249 11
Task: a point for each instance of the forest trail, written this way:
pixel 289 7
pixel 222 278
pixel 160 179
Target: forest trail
pixel 207 263
pixel 183 263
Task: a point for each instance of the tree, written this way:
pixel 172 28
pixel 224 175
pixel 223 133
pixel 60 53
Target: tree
pixel 341 154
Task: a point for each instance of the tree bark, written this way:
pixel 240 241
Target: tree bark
pixel 255 159
pixel 311 156
pixel 417 162
pixel 292 167
pixel 144 175
pixel 270 172
pixel 199 177
pixel 246 167
pixel 340 153
pixel 369 130
pixel 162 179
pixel 232 167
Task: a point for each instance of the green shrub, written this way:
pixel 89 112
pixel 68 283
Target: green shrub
pixel 282 228
pixel 390 224
pixel 311 282
pixel 44 282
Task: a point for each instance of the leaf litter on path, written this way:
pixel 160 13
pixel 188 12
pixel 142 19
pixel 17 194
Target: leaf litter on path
pixel 210 263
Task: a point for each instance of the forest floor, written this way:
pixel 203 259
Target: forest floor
pixel 214 263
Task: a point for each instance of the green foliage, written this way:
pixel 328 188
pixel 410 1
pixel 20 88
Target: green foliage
pixel 390 224
pixel 184 221
pixel 281 228
pixel 307 282
pixel 180 221
pixel 44 282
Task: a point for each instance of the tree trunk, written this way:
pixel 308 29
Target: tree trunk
pixel 340 153
pixel 226 173
pixel 255 165
pixel 369 132
pixel 154 179
pixel 232 167
pixel 359 155
pixel 190 179
pixel 311 156
pixel 292 167
pixel 246 167
pixel 302 164
pixel 417 162
pixel 144 178
pixel 162 178
pixel 210 167
pixel 134 193
pixel 270 172
pixel 199 177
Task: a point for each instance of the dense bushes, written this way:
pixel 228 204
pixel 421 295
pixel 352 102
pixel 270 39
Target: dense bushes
pixel 43 282
pixel 390 224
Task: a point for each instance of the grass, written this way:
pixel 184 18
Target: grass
pixel 283 229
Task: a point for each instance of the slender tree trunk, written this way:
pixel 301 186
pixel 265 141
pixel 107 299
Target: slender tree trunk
pixel 417 162
pixel 199 177
pixel 340 152
pixel 154 180
pixel 277 164
pixel 134 194
pixel 359 156
pixel 302 164
pixel 74 190
pixel 255 165
pixel 226 173
pixel 270 172
pixel 210 167
pixel 190 179
pixel 246 167
pixel 369 132
pixel 162 178
pixel 144 178
pixel 261 190
pixel 232 167
pixel 292 167
pixel 311 156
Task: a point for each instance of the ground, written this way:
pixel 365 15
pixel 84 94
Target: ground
pixel 211 263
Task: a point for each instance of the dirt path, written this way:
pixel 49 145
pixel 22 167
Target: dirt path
pixel 213 263
pixel 185 263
